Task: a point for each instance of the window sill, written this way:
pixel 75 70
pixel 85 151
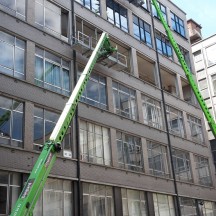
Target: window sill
pixel 182 36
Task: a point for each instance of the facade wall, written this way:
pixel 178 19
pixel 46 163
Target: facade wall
pixel 120 170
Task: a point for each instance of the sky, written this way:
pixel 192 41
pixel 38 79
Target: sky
pixel 203 12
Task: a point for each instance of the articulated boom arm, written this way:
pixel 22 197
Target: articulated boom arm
pixel 37 179
pixel 187 71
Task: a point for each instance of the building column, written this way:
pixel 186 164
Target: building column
pixel 179 85
pixel 193 168
pixel 150 204
pixel 186 125
pixel 28 131
pixel 130 22
pixel 110 95
pixel 113 145
pixel 118 208
pixel 30 62
pixel 145 155
pixel 134 63
pixel 139 106
pixel 30 12
pixel 103 9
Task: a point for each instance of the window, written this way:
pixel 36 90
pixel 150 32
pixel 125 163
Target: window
pixel 52 18
pixel 163 205
pixel 202 170
pixel 177 24
pixel 213 83
pixel 142 30
pixel 157 158
pixel 12 60
pixel 97 200
pixel 181 164
pixel 94 143
pixel 144 4
pixel 163 10
pixel 10 188
pixel 152 112
pixel 117 15
pixel 186 55
pixel 16 7
pixel 209 208
pixel 188 206
pixel 198 56
pixel 196 129
pixel 211 55
pixel 124 101
pixel 44 123
pixel 93 5
pixel 52 72
pixel 163 45
pixel 175 121
pixel 129 152
pixel 55 199
pixel 133 202
pixel 95 91
pixel 11 122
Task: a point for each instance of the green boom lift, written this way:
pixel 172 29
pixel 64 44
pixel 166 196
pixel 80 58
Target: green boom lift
pixel 187 71
pixel 37 179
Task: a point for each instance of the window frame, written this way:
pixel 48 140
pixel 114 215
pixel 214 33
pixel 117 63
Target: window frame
pixel 156 112
pixel 165 48
pixel 9 139
pixel 132 146
pixel 163 158
pixel 163 11
pixel 178 117
pixel 197 123
pixel 115 8
pixel 5 69
pixel 200 163
pixel 176 21
pixel 14 11
pixel 43 25
pixel 90 7
pixel 117 89
pixel 99 83
pixel 93 158
pixel 62 68
pixel 143 30
pixel 186 168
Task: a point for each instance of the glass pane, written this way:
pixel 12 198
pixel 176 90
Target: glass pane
pixel 3 200
pixel 53 20
pixel 4 177
pixel 6 59
pixel 21 6
pixel 39 68
pixel 67 204
pixel 39 13
pixel 52 74
pixel 19 60
pixel 66 80
pixel 51 116
pixel 49 126
pixel 8 3
pixel 53 203
pixel 5 116
pixel 14 195
pixel 17 127
pixel 38 131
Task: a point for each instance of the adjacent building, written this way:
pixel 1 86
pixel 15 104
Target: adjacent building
pixel 204 52
pixel 136 115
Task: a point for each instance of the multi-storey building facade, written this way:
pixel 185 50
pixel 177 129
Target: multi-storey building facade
pixel 136 115
pixel 204 51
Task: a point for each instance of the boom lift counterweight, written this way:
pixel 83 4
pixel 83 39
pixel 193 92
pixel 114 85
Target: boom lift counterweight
pixel 37 179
